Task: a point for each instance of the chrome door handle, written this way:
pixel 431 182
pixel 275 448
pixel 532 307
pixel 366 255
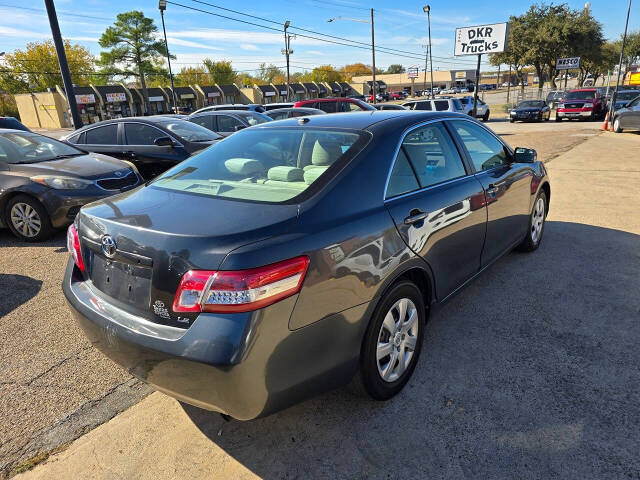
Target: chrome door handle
pixel 417 217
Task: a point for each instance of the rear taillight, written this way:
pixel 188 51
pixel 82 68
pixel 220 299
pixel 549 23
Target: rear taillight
pixel 239 290
pixel 73 245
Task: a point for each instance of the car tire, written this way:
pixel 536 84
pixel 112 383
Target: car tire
pixel 558 119
pixel 397 326
pixel 485 117
pixel 616 125
pixel 28 219
pixel 536 224
pixel 511 120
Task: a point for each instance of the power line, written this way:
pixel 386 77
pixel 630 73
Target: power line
pixel 60 12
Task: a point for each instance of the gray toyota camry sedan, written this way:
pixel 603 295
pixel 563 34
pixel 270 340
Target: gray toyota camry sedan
pixel 283 260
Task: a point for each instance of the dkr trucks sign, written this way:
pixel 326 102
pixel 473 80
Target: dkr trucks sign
pixel 481 39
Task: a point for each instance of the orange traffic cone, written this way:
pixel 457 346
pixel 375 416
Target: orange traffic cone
pixel 605 125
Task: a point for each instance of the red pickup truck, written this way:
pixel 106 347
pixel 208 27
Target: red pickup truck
pixel 585 103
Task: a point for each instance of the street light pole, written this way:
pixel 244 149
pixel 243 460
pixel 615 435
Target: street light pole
pixel 612 107
pixel 162 5
pixel 373 59
pixel 62 60
pixel 427 9
pixel 287 43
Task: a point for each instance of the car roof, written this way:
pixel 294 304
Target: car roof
pixel 16 130
pixel 363 120
pixel 225 112
pixel 294 109
pixel 152 119
pixel 584 90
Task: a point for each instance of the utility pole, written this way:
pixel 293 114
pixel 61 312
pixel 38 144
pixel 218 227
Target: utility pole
pixel 498 79
pixel 62 60
pixel 373 58
pixel 427 9
pixel 162 5
pixel 287 44
pixel 509 84
pixel 612 107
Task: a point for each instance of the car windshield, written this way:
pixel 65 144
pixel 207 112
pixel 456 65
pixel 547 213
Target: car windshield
pixel 581 95
pixel 191 132
pixel 629 95
pixel 531 104
pixel 253 118
pixel 264 164
pixel 466 101
pixel 25 147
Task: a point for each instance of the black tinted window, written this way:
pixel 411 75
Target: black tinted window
pixel 227 123
pixel 140 134
pixel 329 107
pixel 433 155
pixel 107 135
pixel 423 106
pixel 441 105
pixel 204 120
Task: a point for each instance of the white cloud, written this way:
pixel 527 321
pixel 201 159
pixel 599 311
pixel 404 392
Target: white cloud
pixel 248 46
pixel 237 36
pixel 187 43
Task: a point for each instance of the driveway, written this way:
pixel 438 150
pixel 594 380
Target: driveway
pixel 532 372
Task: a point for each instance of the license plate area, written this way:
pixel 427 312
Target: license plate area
pixel 125 282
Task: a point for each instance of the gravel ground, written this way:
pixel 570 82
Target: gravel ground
pixel 533 369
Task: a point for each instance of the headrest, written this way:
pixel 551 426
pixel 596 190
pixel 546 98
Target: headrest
pixel 286 174
pixel 325 153
pixel 244 166
pixel 312 174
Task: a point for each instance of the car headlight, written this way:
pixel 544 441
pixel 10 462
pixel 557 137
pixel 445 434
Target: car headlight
pixel 62 183
pixel 513 112
pixel 131 165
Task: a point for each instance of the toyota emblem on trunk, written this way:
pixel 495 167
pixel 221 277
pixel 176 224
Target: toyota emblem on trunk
pixel 108 246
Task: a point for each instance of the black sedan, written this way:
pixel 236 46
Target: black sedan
pixel 279 262
pixel 226 122
pixel 293 112
pixel 44 182
pixel 530 110
pixel 153 144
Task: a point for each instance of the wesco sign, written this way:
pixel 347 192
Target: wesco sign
pixel 481 39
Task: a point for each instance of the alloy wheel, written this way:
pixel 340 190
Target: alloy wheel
pixel 397 340
pixel 25 220
pixel 537 220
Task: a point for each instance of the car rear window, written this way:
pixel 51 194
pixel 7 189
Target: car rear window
pixel 441 105
pixel 265 164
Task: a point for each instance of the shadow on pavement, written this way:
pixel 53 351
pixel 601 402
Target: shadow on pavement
pixel 7 239
pixel 16 290
pixel 532 372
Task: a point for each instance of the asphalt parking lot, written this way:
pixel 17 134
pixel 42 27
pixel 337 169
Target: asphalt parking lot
pixel 531 372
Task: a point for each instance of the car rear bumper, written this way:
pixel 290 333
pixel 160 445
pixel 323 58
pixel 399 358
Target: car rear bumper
pixel 245 365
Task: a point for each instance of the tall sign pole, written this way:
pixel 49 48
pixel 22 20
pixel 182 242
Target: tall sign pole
pixel 427 9
pixel 62 60
pixel 612 107
pixel 287 43
pixel 373 58
pixel 479 40
pixel 162 5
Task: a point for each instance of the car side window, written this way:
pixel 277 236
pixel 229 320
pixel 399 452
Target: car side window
pixel 354 107
pixel 410 105
pixel 141 134
pixel 433 155
pixel 441 105
pixel 106 135
pixel 635 103
pixel 328 107
pixel 204 121
pixel 402 179
pixel 485 150
pixel 423 106
pixel 227 123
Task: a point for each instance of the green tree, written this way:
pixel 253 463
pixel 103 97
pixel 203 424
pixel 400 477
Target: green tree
pixel 515 54
pixel 325 73
pixel 36 67
pixel 192 76
pixel 135 49
pixel 631 50
pixel 355 69
pixel 220 72
pixel 267 73
pixel 395 68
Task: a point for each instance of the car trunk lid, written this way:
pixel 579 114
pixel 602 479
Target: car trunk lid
pixel 138 245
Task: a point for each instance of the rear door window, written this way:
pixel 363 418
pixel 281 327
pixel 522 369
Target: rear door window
pixel 141 134
pixel 423 106
pixel 227 123
pixel 205 121
pixel 433 155
pixel 328 107
pixel 105 135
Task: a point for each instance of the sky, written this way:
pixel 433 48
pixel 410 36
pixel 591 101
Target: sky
pixel 195 35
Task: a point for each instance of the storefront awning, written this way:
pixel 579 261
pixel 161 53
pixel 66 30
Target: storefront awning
pixel 183 93
pixel 335 87
pixel 321 89
pixel 112 93
pixel 84 95
pixel 282 90
pixel 311 87
pixel 380 84
pixel 267 91
pixel 211 91
pixel 297 88
pixel 346 88
pixel 230 90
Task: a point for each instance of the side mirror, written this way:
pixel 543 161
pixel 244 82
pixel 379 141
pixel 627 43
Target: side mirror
pixel 525 155
pixel 239 127
pixel 164 142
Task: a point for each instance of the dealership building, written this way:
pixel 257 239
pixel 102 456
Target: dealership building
pixel 403 81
